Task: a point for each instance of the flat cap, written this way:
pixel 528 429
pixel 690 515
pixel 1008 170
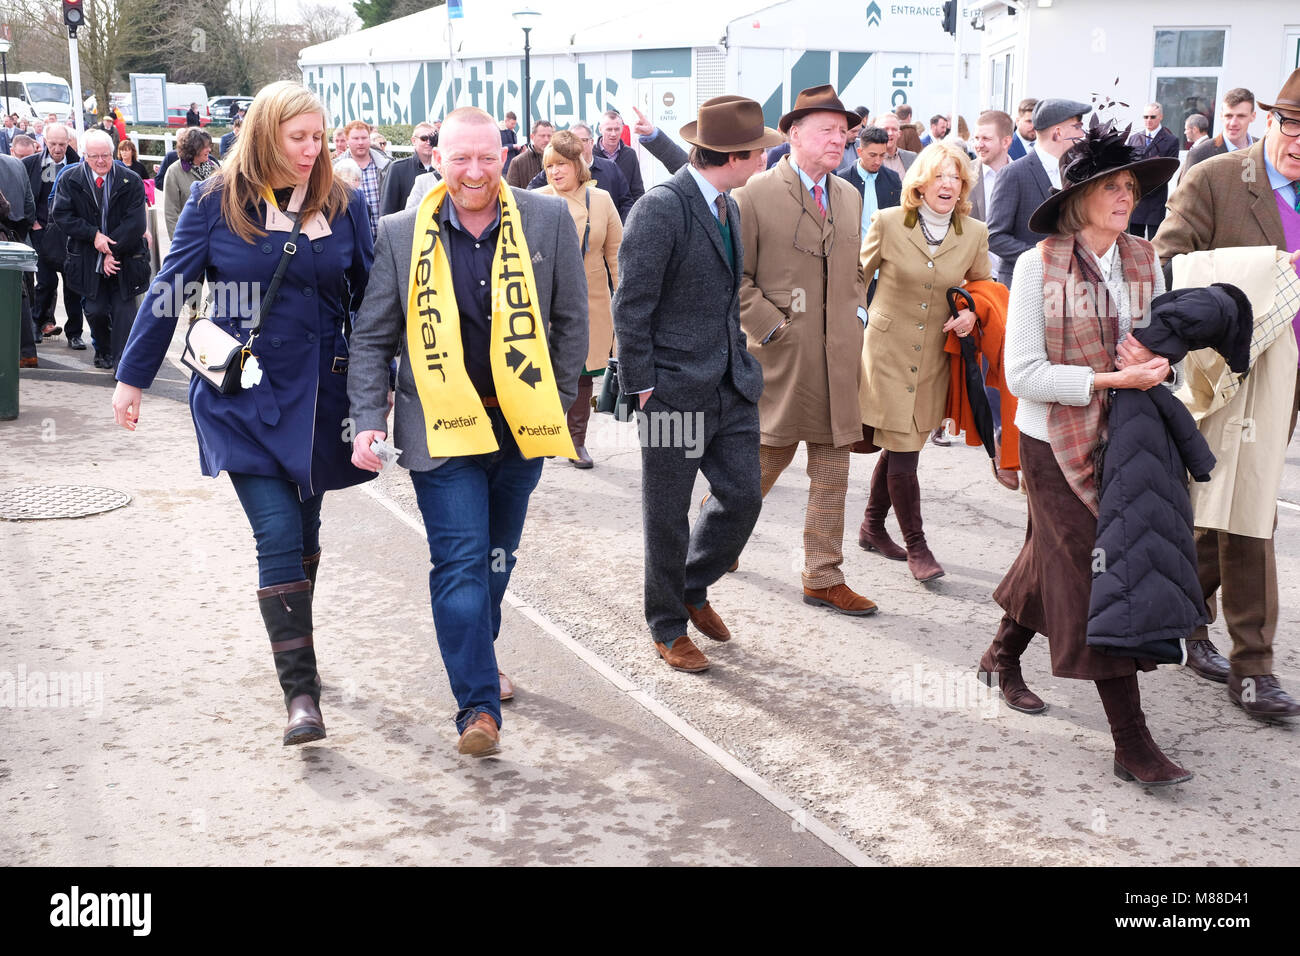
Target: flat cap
pixel 1050 112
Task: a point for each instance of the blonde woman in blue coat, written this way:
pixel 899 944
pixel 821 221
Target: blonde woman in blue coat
pixel 281 440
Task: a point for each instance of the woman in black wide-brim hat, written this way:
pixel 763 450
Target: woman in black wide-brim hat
pixel 1074 298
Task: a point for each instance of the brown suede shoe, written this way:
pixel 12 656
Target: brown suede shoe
pixel 683 655
pixel 507 688
pixel 305 722
pixel 707 622
pixel 840 598
pixel 480 737
pixel 28 361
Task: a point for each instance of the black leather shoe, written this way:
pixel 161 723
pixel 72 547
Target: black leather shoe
pixel 1262 696
pixel 51 330
pixel 75 343
pixel 102 361
pixel 1204 659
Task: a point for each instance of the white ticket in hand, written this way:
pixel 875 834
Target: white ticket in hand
pixel 385 452
pixel 251 373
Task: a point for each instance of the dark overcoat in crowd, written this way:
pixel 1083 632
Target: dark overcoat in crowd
pixel 76 212
pixel 1146 596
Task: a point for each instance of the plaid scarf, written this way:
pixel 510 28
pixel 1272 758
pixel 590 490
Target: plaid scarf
pixel 1081 327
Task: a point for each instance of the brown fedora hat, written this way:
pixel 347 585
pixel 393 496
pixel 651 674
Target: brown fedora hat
pixel 1289 96
pixel 818 99
pixel 730 124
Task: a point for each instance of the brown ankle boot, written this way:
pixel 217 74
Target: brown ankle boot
pixel 905 495
pixel 1003 659
pixel 1136 755
pixel 872 536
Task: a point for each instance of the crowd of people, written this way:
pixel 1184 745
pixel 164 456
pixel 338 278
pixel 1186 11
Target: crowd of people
pixel 844 282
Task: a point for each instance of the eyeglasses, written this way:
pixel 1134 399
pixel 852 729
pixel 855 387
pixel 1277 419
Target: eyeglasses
pixel 812 240
pixel 426 137
pixel 1289 125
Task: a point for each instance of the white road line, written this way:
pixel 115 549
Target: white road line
pixel 799 817
pixel 1290 506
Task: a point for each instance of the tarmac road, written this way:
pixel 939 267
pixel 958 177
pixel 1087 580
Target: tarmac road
pixel 857 739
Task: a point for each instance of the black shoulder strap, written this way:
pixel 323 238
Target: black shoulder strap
pixel 290 247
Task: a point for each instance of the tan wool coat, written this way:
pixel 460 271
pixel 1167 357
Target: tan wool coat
pixel 801 278
pixel 905 369
pixel 602 253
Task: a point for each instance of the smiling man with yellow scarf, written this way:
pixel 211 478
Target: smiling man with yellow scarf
pixel 481 288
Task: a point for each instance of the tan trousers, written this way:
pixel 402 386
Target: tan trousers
pixel 823 527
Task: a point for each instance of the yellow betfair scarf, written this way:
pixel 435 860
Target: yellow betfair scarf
pixel 454 419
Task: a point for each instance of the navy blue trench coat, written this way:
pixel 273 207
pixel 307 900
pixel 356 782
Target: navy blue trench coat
pixel 294 424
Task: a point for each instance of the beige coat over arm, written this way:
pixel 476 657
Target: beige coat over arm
pixel 601 254
pixel 905 369
pixel 802 279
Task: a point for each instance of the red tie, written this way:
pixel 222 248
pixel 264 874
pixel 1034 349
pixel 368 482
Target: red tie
pixel 99 182
pixel 817 194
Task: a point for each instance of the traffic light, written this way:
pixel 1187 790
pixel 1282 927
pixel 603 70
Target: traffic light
pixel 74 15
pixel 949 17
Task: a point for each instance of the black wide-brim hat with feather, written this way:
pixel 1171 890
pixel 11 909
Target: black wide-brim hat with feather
pixel 1102 151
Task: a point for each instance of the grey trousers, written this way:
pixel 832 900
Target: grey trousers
pixel 681 562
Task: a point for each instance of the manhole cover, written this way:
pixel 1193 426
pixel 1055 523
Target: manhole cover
pixel 58 501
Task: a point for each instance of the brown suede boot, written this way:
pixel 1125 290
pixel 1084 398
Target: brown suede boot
pixel 1003 659
pixel 1136 755
pixel 872 536
pixel 905 495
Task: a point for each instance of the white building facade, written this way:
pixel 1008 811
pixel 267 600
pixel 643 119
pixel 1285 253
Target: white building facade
pixel 1182 54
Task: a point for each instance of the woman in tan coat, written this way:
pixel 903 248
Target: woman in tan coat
pixel 921 248
pixel 601 231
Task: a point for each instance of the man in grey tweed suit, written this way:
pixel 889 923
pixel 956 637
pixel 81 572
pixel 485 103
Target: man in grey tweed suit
pixel 473 505
pixel 680 346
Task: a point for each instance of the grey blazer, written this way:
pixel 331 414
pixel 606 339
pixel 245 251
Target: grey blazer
pixel 1017 191
pixel 677 308
pixel 379 330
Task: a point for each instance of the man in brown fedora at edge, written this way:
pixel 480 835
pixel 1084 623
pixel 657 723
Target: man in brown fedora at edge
pixel 677 317
pixel 1249 197
pixel 803 309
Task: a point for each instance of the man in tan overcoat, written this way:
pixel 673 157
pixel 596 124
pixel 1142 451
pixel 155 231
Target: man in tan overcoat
pixel 1244 198
pixel 802 303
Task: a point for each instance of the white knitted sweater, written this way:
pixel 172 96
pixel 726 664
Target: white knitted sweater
pixel 1034 380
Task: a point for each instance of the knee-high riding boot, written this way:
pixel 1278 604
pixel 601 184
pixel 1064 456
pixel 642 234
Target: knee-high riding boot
pixel 872 536
pixel 905 495
pixel 286 609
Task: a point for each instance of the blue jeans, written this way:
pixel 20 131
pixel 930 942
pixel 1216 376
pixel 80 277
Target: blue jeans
pixel 474 509
pixel 285 527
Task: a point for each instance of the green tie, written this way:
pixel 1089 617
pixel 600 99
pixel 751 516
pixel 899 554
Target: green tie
pixel 1295 187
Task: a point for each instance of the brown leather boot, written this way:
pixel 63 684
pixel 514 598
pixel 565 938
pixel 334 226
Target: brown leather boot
pixel 1003 659
pixel 905 495
pixel 872 536
pixel 578 417
pixel 1136 755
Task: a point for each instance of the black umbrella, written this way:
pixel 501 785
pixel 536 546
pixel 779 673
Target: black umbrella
pixel 979 401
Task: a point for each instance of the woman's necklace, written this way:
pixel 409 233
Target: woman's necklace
pixel 929 236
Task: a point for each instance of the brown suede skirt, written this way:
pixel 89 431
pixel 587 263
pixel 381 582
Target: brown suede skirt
pixel 1049 585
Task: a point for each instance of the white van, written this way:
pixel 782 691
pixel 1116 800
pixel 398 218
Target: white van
pixel 44 93
pixel 179 98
